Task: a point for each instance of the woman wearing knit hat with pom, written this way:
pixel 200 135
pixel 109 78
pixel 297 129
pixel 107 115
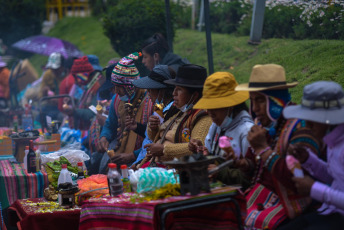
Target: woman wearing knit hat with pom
pixel 128 101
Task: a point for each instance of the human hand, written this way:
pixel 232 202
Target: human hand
pixel 154 149
pixel 153 122
pixel 303 185
pixel 257 138
pixel 299 152
pixel 130 123
pixel 123 158
pixel 194 144
pixel 103 144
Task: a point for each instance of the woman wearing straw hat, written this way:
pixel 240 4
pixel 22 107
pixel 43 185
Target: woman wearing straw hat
pixel 273 196
pixel 228 111
pixel 322 107
pixel 171 138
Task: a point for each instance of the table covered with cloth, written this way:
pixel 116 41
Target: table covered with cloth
pixel 124 212
pixel 16 183
pixel 39 214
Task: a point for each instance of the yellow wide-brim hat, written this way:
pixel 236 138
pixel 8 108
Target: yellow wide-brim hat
pixel 266 77
pixel 218 92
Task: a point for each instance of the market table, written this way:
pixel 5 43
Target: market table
pixel 16 183
pixel 39 214
pixel 224 208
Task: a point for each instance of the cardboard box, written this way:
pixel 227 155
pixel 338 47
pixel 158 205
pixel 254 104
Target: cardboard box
pixel 6 146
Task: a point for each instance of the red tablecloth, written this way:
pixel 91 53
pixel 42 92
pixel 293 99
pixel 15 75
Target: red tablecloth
pixel 122 213
pixel 39 214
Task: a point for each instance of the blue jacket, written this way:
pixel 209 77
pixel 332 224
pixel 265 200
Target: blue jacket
pixel 110 127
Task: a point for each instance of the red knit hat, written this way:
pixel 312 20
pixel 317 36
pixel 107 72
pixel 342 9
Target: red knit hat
pixel 82 65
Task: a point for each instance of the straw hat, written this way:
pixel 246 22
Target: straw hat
pixel 322 102
pixel 266 77
pixel 218 92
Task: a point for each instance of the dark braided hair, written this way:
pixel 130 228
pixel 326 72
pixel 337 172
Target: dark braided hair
pixel 156 44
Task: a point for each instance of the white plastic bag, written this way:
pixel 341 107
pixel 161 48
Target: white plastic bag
pixel 72 152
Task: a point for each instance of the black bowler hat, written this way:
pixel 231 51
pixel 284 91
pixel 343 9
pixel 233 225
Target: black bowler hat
pixel 189 75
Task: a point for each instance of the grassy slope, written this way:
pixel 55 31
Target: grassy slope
pixel 305 61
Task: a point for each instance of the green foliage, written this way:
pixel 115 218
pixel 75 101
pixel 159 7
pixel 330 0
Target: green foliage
pixel 182 14
pixel 225 16
pixel 20 19
pixel 306 20
pixel 100 7
pixel 131 22
pixel 279 21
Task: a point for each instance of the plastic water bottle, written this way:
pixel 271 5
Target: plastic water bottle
pixel 114 180
pixel 27 122
pixel 64 176
pixel 25 157
pixel 38 160
pixel 133 180
pixel 15 123
pixel 125 178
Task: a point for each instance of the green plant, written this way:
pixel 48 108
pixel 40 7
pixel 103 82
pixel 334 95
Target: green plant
pixel 20 19
pixel 131 22
pixel 100 7
pixel 225 16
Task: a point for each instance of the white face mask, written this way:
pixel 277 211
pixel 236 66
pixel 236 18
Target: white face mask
pixel 187 106
pixel 226 121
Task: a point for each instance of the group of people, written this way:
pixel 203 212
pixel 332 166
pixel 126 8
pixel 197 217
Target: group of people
pixel 178 110
pixel 192 111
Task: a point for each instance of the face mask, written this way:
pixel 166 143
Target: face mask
pixel 226 121
pixel 187 106
pixel 78 92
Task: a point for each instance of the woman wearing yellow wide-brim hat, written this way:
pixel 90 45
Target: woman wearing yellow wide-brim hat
pixel 228 111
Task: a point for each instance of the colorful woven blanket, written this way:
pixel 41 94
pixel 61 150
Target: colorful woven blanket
pixel 16 183
pixel 124 213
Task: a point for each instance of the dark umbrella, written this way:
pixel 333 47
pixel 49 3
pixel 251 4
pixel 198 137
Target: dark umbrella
pixel 45 45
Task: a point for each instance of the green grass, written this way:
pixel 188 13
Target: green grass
pixel 305 61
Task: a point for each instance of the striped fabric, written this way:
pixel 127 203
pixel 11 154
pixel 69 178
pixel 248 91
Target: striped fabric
pixel 121 213
pixel 16 183
pixel 264 209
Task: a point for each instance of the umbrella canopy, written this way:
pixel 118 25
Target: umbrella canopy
pixel 45 45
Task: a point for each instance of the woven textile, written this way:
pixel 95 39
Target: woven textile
pixel 125 71
pixel 121 213
pixel 15 183
pixel 39 214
